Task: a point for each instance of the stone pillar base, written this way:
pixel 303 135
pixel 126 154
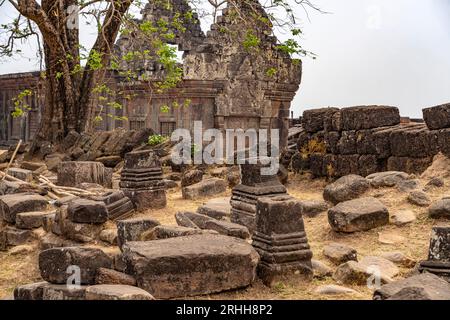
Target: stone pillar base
pixel 294 273
pixel 147 199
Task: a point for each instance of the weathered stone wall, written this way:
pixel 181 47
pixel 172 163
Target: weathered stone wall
pixel 364 140
pixel 227 84
pixel 13 129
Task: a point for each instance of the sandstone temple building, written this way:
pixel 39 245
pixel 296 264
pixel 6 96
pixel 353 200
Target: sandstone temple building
pixel 227 86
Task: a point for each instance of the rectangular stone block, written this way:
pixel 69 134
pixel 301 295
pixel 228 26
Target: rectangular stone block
pixel 11 205
pixel 414 141
pixel 368 117
pixel 204 188
pixel 347 143
pixel 313 120
pixel 437 117
pixel 74 173
pixel 191 265
pixel 409 165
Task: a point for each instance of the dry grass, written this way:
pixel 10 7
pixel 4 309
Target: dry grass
pixel 20 269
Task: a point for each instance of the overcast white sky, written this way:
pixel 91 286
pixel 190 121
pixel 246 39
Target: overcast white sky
pixel 394 52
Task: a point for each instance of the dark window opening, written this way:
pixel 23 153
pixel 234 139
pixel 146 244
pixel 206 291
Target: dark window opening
pixel 167 128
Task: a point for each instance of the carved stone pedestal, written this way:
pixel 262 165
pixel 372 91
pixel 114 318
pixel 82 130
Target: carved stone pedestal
pixel 281 241
pixel 142 180
pixel 254 185
pixel 438 261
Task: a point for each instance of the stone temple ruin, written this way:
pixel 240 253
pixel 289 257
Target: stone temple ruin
pixel 227 86
pixel 97 203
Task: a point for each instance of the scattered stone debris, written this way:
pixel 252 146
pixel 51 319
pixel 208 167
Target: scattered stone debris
pixel 332 289
pixel 431 287
pixel 403 217
pixel 321 270
pixel 353 272
pixel 399 258
pixel 346 188
pixel 440 209
pixel 204 188
pixel 312 208
pixel 116 292
pixel 133 229
pixel 419 198
pixel 339 253
pixel 218 208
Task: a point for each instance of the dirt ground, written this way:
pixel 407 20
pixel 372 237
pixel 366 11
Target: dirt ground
pixel 17 269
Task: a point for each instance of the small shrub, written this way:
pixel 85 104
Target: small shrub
pixel 156 139
pixel 313 146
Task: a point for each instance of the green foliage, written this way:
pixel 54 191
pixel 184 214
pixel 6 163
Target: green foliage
pixel 271 72
pixel 156 139
pixel 251 41
pixel 20 104
pixel 165 109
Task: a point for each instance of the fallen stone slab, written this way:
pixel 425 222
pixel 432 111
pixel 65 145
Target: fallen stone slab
pixel 440 209
pixel 399 258
pixel 222 227
pixel 332 289
pixel 419 198
pixel 63 292
pixel 434 287
pixel 358 215
pixel 116 292
pixel 311 208
pixel 80 232
pixel 132 229
pixel 11 236
pixel 11 205
pixel 191 177
pixel 109 235
pixel 192 265
pixel 390 237
pixel 33 291
pixel 51 240
pixel 110 161
pixel 56 265
pixel 339 253
pixel 228 228
pixel 166 232
pixel 385 266
pixel 87 211
pixel 346 188
pixel 321 270
pixel 22 174
pixel 32 220
pixel 218 208
pixel 387 179
pixel 73 173
pixel 205 188
pixel 353 272
pixel 199 220
pixel 36 167
pixel 183 220
pixel 403 217
pixel 110 276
